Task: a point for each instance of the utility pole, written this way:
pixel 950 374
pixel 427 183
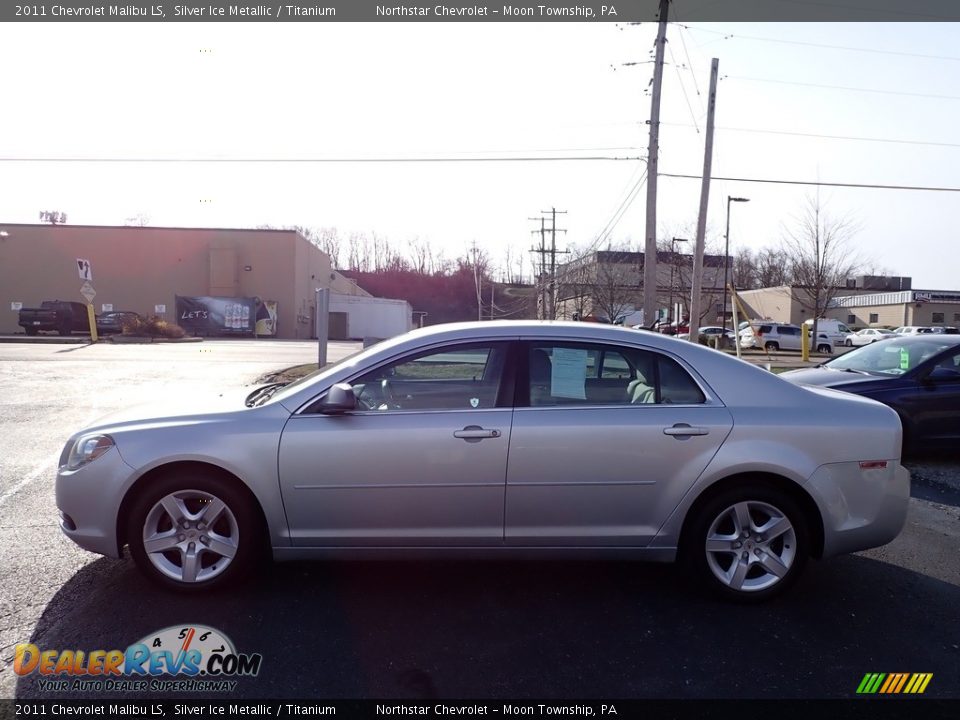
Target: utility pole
pixel 552 286
pixel 542 250
pixel 650 248
pixel 476 281
pixel 697 280
pixel 547 289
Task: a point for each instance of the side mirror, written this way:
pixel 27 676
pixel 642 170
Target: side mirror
pixel 339 399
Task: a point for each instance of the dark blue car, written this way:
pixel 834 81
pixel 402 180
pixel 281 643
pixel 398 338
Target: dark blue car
pixel 918 376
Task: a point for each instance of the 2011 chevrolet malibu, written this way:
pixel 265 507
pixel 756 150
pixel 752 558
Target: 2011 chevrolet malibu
pixel 538 439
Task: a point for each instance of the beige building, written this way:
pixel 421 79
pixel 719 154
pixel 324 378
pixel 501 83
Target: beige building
pixel 908 307
pixel 143 268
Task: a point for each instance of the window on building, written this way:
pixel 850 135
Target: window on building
pixel 851 319
pixel 874 318
pixel 938 317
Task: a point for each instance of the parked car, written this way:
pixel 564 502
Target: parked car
pixel 773 336
pixel 710 331
pixel 113 322
pixel 55 316
pixel 945 330
pixel 917 376
pixel 912 330
pixel 498 437
pixel 867 336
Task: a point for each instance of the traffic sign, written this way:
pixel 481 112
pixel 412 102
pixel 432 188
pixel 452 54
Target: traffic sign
pixel 88 292
pixel 85 270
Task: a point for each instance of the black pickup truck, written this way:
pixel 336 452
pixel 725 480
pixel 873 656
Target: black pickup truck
pixel 59 315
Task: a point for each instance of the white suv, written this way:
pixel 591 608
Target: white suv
pixel 912 330
pixel 772 336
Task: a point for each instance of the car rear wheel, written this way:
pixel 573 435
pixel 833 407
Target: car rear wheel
pixel 748 543
pixel 194 532
pixel 771 346
pixel 824 349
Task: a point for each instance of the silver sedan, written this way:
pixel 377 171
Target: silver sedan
pixel 525 438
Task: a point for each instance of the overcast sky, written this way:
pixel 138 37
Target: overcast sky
pixel 375 90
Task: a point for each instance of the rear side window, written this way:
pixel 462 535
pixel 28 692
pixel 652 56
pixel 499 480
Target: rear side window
pixel 587 374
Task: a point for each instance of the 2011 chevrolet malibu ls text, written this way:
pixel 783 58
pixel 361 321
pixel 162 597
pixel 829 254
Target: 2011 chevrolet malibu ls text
pixel 530 438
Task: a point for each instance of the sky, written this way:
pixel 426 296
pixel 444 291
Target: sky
pixel 300 92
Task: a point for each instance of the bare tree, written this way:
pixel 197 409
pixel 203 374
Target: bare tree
pixel 613 289
pixel 774 267
pixel 819 254
pixel 744 270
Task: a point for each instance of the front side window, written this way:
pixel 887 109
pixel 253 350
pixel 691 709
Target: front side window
pixel 454 378
pixel 583 374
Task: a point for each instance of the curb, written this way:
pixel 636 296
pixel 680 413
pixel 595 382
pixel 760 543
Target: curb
pixel 133 340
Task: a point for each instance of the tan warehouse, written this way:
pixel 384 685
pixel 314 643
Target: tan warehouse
pixel 143 268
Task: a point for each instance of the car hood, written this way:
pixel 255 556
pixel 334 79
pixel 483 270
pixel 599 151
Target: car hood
pixel 836 379
pixel 179 411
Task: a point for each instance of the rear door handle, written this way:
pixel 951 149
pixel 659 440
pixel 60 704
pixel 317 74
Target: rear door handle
pixel 683 430
pixel 475 432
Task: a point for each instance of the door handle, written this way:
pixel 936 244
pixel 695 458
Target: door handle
pixel 683 430
pixel 475 432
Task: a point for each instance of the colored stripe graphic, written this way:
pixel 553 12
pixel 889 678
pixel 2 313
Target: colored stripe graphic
pixel 894 683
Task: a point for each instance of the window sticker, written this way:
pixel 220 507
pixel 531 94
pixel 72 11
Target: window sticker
pixel 904 359
pixel 568 378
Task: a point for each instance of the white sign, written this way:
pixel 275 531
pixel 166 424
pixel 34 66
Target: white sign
pixel 568 376
pixel 106 307
pixel 159 309
pixel 88 292
pixel 16 305
pixel 83 267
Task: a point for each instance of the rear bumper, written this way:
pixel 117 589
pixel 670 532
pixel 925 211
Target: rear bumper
pixel 861 509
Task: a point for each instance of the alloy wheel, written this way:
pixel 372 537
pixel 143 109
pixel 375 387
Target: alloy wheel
pixel 750 546
pixel 190 536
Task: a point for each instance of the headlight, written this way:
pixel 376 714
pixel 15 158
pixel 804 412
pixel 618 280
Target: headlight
pixel 87 449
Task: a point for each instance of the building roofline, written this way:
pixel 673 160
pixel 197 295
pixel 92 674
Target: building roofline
pixel 146 227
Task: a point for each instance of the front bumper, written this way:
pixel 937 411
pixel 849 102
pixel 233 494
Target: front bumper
pixel 90 497
pixel 861 509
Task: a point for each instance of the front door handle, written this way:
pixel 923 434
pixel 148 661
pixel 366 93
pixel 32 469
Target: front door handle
pixel 683 430
pixel 475 432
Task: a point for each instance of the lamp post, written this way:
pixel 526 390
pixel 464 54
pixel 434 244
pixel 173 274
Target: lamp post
pixel 726 260
pixel 673 264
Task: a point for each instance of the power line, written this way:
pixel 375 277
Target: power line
pixel 618 214
pixel 559 158
pixel 817 183
pixel 729 36
pixel 684 89
pixel 826 137
pixel 844 87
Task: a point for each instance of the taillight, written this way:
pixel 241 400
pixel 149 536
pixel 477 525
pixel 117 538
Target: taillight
pixel 873 464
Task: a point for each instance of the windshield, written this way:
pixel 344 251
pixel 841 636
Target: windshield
pixel 890 357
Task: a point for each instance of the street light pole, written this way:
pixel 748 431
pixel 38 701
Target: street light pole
pixel 673 264
pixel 726 260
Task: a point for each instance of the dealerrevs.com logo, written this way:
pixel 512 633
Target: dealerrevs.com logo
pixel 200 657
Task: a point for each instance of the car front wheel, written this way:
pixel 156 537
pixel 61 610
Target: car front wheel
pixel 194 533
pixel 771 347
pixel 849 343
pixel 747 544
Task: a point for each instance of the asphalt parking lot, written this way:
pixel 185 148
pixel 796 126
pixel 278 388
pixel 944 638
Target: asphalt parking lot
pixel 444 629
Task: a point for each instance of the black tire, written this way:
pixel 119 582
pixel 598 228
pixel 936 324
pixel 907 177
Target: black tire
pixel 247 531
pixel 793 545
pixel 849 343
pixel 771 346
pixel 824 349
pixel 31 331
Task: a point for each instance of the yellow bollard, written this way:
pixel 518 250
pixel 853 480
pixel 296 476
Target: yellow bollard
pixel 93 322
pixel 805 342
